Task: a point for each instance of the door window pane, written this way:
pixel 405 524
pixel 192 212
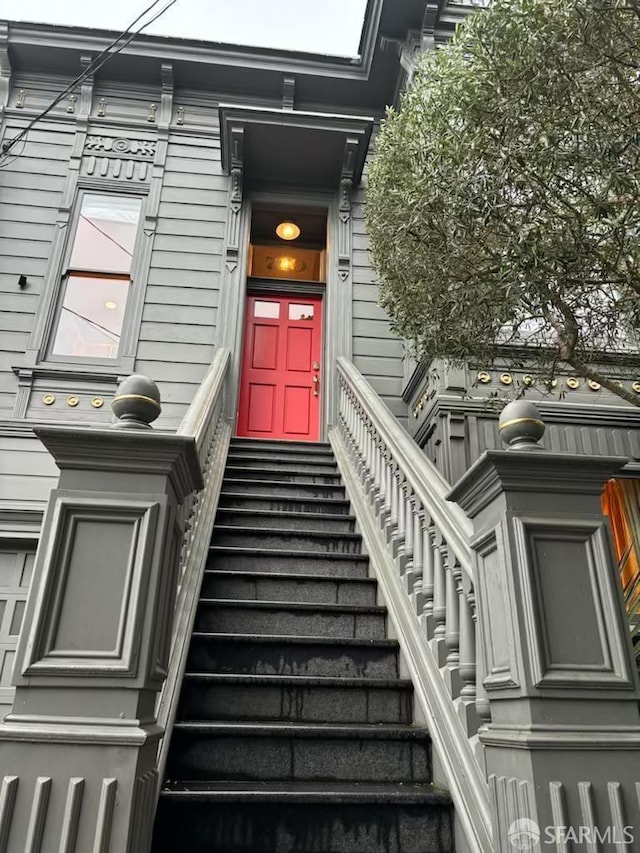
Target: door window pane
pixel 266 309
pixel 106 233
pixel 300 312
pixel 91 316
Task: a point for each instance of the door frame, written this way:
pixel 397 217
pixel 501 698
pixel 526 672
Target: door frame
pixel 336 294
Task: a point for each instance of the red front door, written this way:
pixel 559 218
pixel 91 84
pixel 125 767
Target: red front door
pixel 280 380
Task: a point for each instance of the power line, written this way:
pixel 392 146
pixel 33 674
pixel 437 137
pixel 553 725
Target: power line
pixel 96 64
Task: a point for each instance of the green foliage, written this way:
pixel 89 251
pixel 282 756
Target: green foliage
pixel 504 195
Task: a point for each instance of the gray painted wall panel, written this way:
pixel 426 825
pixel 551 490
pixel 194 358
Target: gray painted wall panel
pixel 182 354
pixel 171 332
pixel 178 334
pixel 165 294
pixel 192 314
pixel 376 352
pixel 27 472
pixel 11 214
pixel 29 199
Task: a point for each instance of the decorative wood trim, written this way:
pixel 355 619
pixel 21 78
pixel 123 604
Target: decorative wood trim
pixel 105 815
pixel 38 814
pixel 71 817
pixel 5 67
pixel 8 793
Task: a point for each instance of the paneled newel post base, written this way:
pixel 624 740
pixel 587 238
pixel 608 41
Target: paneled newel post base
pixel 563 744
pixel 78 752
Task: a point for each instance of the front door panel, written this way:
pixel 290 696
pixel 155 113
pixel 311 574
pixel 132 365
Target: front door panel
pixel 280 379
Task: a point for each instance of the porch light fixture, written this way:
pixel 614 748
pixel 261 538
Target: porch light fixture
pixel 110 304
pixel 287 231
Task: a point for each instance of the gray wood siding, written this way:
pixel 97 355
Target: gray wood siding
pixel 27 471
pixel 31 189
pixel 178 330
pixel 377 352
pixel 16 567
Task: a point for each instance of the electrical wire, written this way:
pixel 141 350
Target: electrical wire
pixel 102 58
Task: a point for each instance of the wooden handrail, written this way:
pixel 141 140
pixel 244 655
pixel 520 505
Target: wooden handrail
pixel 419 548
pixel 205 421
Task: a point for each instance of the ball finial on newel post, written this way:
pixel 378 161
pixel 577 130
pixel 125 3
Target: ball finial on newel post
pixel 520 426
pixel 136 403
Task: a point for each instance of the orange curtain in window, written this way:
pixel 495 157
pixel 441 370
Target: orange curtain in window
pixel 620 501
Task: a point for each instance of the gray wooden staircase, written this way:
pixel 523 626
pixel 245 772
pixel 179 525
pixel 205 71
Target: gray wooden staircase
pixel 294 731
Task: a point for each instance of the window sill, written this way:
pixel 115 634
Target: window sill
pixel 70 370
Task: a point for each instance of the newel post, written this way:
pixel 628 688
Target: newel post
pixel 78 752
pixel 563 743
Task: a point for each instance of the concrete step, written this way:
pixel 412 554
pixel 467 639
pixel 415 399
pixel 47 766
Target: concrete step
pixel 278 752
pixel 242 817
pixel 237 500
pixel 322 541
pixel 308 620
pixel 281 446
pixel 284 561
pixel 277 487
pixel 255 586
pixel 290 474
pixel 302 462
pixel 286 520
pixel 270 654
pixel 300 699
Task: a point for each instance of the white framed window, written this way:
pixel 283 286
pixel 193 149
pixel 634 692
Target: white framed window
pixel 96 278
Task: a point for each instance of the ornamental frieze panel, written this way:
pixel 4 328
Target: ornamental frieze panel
pixel 119 146
pixel 116 168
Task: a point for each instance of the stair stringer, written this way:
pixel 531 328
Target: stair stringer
pixel 189 594
pixel 464 776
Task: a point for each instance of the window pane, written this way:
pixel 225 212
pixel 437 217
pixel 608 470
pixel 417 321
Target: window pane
pixel 106 233
pixel 300 312
pixel 266 309
pixel 91 317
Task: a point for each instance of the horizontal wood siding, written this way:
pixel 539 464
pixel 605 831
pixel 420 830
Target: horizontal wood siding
pixel 178 330
pixel 31 187
pixel 377 352
pixel 27 471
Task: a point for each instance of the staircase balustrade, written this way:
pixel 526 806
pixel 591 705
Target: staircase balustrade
pixel 427 554
pixel 205 420
pixel 509 613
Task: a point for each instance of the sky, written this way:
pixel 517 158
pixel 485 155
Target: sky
pixel 316 26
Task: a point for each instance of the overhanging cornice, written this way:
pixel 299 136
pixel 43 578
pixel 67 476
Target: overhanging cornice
pixel 279 144
pixel 92 41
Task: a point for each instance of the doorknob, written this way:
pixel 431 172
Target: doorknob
pixel 316 365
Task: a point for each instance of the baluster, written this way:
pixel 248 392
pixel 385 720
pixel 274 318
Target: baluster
pixel 418 553
pixel 427 579
pixel 382 498
pixel 467 667
pixel 374 495
pixel 356 440
pixel 352 424
pixel 370 458
pixel 397 540
pixel 388 489
pixel 392 483
pixel 439 599
pixel 362 450
pixel 483 707
pixel 453 580
pixel 405 560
